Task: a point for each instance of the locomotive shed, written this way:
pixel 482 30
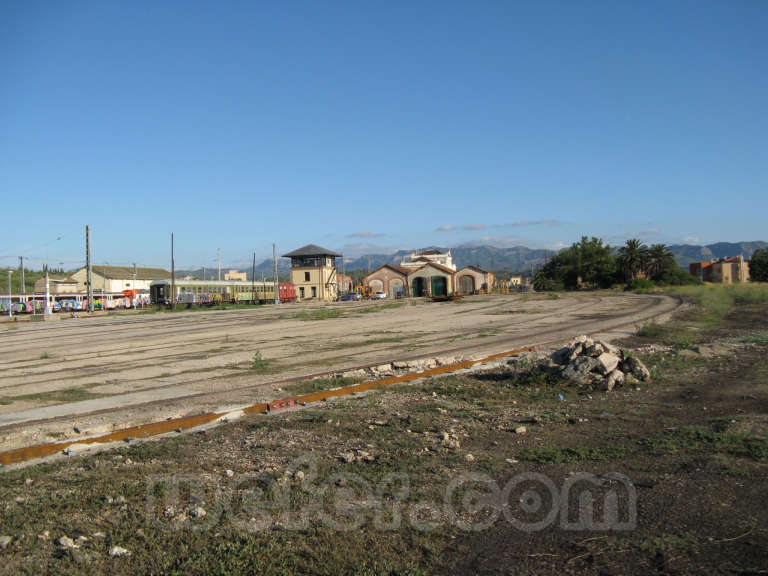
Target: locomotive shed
pixel 82 377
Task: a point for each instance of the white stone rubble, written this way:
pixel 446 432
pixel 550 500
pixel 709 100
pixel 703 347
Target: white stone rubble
pixel 585 361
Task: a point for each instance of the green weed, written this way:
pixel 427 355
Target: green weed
pixel 760 337
pixel 555 455
pixel 319 314
pixel 379 308
pixel 651 330
pixel 698 439
pixel 309 386
pixel 259 363
pixel 66 395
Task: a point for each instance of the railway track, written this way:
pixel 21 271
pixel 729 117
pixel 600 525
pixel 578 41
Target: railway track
pixel 542 337
pixel 120 358
pixel 24 454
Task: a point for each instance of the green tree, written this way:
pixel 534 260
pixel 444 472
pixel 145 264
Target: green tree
pixel 660 260
pixel 633 258
pixel 758 266
pixel 588 262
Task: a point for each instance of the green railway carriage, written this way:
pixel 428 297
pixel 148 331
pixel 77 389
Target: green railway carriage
pixel 211 292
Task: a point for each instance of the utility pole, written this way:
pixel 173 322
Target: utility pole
pixel 218 258
pixel 10 273
pixel 135 292
pixel 22 289
pixel 173 278
pixel 203 271
pixel 89 278
pixel 47 307
pixel 253 279
pixel 277 285
pixel 343 279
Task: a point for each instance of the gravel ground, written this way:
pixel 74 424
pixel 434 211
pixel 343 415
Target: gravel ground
pixel 93 375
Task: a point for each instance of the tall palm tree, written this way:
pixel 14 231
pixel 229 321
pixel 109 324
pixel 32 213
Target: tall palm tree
pixel 659 259
pixel 633 257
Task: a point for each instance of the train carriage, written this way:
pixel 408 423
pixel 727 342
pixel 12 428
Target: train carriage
pixel 211 292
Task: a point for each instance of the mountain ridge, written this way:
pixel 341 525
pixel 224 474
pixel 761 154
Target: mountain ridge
pixel 516 259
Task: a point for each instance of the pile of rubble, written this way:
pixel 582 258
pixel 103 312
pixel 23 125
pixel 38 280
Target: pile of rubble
pixel 585 361
pixel 400 367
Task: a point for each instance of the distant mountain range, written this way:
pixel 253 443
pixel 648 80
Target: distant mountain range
pixel 517 259
pixel 523 260
pixel 686 253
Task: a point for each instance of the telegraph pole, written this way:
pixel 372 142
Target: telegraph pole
pixel 47 307
pixel 277 285
pixel 218 258
pixel 10 273
pixel 253 278
pixel 22 289
pixel 173 278
pixel 88 276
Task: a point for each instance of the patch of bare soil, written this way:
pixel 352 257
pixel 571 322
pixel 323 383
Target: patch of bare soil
pixel 693 443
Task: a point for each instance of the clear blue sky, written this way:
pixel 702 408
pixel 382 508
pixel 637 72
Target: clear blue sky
pixel 376 126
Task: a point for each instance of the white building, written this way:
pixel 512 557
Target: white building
pixel 432 256
pixel 118 278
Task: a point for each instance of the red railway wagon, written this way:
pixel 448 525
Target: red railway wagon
pixel 287 292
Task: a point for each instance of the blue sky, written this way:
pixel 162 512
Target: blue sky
pixel 368 127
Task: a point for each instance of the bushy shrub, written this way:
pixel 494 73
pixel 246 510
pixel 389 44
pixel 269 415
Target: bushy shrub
pixel 640 285
pixel 758 266
pixel 543 283
pixel 675 276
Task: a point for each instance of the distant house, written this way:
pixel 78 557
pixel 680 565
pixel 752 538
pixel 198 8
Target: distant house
pixel 57 285
pixel 416 259
pixel 344 282
pixel 313 272
pixel 473 280
pixel 722 271
pixel 235 275
pixel 118 278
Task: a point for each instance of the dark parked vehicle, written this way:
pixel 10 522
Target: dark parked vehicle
pixel 352 296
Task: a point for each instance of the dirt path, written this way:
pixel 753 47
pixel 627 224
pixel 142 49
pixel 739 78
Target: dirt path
pixel 116 371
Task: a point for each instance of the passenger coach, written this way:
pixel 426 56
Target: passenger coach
pixel 211 292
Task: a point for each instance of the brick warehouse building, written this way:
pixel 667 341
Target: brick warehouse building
pixel 428 279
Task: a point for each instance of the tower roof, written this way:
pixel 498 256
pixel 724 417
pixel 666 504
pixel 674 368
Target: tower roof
pixel 311 250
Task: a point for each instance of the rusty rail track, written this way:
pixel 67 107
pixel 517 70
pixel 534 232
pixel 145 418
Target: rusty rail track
pixel 21 455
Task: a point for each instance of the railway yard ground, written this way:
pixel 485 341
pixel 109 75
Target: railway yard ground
pixel 459 473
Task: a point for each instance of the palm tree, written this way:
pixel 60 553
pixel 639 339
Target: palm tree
pixel 633 257
pixel 659 259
